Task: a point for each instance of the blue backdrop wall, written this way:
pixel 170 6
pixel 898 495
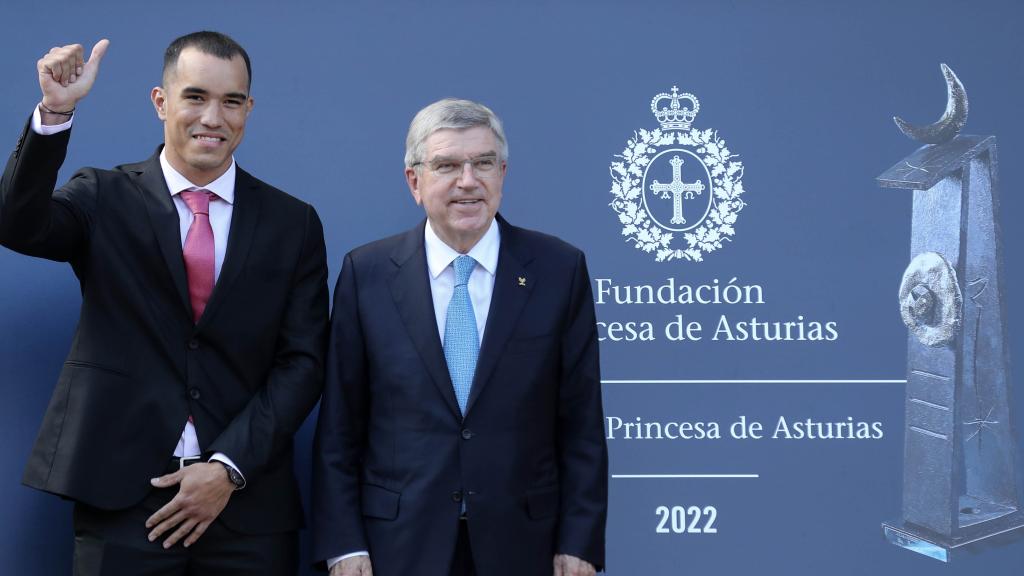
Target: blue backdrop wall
pixel 802 91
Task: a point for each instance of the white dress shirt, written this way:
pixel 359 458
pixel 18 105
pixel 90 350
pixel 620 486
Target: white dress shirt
pixel 442 283
pixel 442 275
pixel 46 130
pixel 220 221
pixel 221 207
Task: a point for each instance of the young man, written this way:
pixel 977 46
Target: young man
pixel 199 349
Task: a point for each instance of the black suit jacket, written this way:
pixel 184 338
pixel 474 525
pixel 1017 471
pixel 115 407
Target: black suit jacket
pixel 394 458
pixel 248 373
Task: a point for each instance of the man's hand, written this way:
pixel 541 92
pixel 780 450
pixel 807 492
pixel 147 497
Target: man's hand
pixel 353 566
pixel 203 493
pixel 65 78
pixel 566 565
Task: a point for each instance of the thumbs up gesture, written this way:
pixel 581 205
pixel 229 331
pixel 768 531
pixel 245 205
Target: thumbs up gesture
pixel 65 77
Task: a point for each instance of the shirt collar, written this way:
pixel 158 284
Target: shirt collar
pixel 223 186
pixel 441 255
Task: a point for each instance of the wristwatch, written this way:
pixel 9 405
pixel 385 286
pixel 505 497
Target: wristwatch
pixel 234 476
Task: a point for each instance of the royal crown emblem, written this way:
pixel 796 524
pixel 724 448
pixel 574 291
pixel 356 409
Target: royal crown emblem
pixel 677 181
pixel 673 117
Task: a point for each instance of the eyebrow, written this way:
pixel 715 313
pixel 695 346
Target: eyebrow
pixel 483 156
pixel 202 92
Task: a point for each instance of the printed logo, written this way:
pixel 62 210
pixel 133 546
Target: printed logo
pixel 677 181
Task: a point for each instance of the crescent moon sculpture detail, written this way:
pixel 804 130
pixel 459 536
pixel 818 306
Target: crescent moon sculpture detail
pixel 951 122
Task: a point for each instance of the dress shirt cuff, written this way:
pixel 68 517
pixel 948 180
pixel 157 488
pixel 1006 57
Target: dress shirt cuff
pixel 332 561
pixel 45 130
pixel 221 457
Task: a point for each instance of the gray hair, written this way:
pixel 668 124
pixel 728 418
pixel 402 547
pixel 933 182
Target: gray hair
pixel 450 114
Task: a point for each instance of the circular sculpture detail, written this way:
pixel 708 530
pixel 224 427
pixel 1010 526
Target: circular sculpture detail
pixel 930 299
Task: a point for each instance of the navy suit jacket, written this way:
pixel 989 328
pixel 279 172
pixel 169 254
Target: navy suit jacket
pixel 248 373
pixel 394 459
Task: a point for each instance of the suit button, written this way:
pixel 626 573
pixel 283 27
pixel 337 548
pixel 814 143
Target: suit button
pixel 457 496
pixel 194 393
pixel 193 344
pixel 467 433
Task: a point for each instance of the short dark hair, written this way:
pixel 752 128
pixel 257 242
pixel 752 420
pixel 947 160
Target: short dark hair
pixel 212 43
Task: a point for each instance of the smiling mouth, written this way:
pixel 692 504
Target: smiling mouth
pixel 467 202
pixel 208 138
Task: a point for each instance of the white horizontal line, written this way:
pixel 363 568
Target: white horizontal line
pixel 792 381
pixel 633 476
pixel 930 404
pixel 929 433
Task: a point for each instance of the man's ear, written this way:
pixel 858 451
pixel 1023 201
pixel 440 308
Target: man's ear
pixel 412 178
pixel 159 98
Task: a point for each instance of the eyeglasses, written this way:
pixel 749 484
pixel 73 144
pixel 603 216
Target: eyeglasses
pixel 482 166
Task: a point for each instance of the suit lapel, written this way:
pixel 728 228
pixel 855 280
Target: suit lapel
pixel 410 290
pixel 149 178
pixel 244 215
pixel 507 302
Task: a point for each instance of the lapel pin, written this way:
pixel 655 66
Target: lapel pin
pixel 522 280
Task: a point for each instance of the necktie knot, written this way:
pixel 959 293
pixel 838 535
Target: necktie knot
pixel 197 200
pixel 463 268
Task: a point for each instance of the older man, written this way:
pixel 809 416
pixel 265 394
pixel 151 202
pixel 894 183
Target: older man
pixel 460 429
pixel 200 345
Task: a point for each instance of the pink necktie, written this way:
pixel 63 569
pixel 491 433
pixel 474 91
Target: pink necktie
pixel 198 250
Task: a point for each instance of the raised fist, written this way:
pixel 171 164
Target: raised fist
pixel 65 78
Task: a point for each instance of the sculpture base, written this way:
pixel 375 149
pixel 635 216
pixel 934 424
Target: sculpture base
pixel 924 541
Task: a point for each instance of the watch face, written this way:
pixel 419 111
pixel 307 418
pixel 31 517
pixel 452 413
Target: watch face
pixel 234 476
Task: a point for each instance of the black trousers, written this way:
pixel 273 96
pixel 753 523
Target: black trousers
pixel 115 543
pixel 462 563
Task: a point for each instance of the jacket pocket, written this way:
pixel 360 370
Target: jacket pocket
pixel 92 366
pixel 542 502
pixel 379 502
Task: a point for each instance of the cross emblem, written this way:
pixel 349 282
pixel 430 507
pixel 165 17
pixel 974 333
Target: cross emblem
pixel 678 190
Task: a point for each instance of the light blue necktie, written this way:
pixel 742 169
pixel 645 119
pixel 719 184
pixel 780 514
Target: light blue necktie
pixel 461 344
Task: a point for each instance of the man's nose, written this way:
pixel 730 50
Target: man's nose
pixel 212 116
pixel 467 178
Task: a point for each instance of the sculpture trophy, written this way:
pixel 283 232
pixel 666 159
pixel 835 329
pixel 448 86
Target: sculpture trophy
pixel 960 474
